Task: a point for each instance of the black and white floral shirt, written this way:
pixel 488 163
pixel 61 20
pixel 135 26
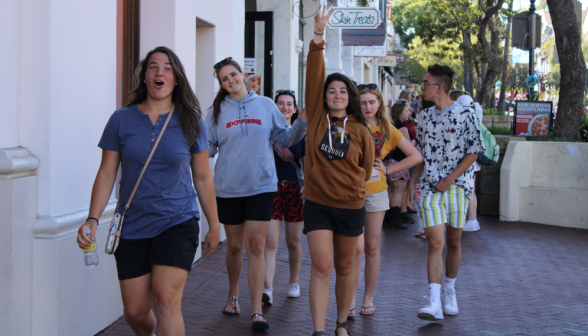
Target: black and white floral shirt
pixel 445 137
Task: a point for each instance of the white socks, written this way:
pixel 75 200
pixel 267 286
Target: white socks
pixel 435 290
pixel 449 283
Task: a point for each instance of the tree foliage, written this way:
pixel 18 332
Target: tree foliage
pixel 440 51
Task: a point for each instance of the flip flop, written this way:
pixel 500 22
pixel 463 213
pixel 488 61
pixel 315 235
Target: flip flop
pixel 420 235
pixel 367 307
pixel 351 313
pixel 234 300
pixel 259 325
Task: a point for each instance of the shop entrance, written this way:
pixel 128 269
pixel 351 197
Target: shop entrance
pixel 259 39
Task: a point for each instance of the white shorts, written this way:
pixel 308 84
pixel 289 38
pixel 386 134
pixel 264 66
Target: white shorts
pixel 377 202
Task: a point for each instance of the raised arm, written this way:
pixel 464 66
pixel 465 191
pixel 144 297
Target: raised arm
pixel 315 70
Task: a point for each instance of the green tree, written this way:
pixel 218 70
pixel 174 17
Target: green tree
pixel 445 52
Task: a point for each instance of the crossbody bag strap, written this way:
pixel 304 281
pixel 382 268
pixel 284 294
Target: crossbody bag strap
pixel 149 159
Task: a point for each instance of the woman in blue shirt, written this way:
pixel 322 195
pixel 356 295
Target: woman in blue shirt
pixel 160 229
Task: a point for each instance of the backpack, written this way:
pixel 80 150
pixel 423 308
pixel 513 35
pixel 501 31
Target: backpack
pixel 490 155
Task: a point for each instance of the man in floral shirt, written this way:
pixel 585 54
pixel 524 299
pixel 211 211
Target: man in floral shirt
pixel 449 141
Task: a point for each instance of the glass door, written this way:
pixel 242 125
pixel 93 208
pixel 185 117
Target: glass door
pixel 258 67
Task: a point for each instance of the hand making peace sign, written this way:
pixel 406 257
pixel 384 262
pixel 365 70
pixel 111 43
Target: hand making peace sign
pixel 320 21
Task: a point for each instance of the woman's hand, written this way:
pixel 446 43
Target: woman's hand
pixel 379 165
pixel 211 241
pixel 320 21
pixel 302 114
pixel 83 240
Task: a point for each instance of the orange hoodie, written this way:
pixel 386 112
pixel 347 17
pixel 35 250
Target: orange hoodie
pixel 335 171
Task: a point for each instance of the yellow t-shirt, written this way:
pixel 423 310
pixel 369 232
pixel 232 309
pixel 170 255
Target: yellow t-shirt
pixel 377 182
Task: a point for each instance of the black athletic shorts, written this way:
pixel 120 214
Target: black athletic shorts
pixel 175 247
pixel 346 222
pixel 236 210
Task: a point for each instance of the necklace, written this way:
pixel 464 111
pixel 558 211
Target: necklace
pixel 370 123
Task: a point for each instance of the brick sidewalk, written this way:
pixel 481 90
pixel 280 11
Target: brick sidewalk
pixel 515 279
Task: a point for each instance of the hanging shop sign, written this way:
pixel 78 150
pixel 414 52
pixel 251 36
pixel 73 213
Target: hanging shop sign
pixel 369 51
pixel 386 61
pixel 400 58
pixel 364 37
pixel 355 18
pixel 533 118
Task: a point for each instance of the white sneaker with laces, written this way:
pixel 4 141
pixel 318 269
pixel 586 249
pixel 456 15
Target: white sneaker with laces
pixel 450 306
pixel 294 291
pixel 432 311
pixel 267 298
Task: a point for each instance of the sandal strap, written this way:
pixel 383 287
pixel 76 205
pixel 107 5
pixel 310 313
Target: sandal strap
pixel 257 314
pixel 341 325
pixel 319 332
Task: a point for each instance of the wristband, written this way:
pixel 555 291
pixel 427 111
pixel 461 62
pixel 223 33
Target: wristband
pixel 96 219
pixel 318 33
pixel 386 173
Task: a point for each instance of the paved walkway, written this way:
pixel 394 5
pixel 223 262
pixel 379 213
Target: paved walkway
pixel 515 279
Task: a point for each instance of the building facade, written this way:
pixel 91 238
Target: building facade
pixel 66 66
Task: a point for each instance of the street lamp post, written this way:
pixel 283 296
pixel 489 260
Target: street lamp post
pixel 532 18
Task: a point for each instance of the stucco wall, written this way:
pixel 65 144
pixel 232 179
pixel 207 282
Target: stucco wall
pixel 545 182
pixel 58 64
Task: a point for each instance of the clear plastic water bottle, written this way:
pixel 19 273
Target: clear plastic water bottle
pixel 90 254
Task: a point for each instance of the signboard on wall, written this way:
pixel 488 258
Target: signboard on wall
pixel 355 18
pixel 533 118
pixel 364 37
pixel 369 51
pixel 386 61
pixel 249 66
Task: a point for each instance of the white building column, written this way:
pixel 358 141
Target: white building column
pixel 18 210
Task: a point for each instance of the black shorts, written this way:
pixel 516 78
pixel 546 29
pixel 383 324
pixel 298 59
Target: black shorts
pixel 175 247
pixel 346 222
pixel 236 210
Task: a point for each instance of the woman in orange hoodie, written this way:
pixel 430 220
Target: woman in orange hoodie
pixel 339 161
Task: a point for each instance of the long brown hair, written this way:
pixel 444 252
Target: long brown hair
pixel 381 114
pixel 222 93
pixel 397 109
pixel 183 97
pixel 354 104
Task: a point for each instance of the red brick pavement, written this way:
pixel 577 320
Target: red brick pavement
pixel 515 279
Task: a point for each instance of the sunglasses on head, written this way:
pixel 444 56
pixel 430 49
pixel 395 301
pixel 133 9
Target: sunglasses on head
pixel 223 63
pixel 371 86
pixel 289 92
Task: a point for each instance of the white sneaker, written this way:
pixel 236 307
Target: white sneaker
pixel 477 225
pixel 432 311
pixel 450 306
pixel 294 291
pixel 267 298
pixel 469 226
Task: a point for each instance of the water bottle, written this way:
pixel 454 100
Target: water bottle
pixel 90 255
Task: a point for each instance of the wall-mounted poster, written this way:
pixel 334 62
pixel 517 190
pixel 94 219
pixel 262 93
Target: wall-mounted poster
pixel 253 82
pixel 533 118
pixel 249 66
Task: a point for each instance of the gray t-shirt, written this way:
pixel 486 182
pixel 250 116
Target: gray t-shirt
pixel 166 196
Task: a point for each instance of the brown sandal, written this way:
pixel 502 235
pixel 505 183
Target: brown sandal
pixel 319 332
pixel 342 325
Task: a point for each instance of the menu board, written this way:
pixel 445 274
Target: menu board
pixel 533 118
